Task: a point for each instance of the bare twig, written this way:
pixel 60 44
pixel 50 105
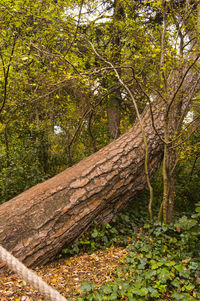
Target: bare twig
pixel 151 111
pixel 191 93
pixel 180 84
pixel 58 56
pixel 77 26
pixel 162 57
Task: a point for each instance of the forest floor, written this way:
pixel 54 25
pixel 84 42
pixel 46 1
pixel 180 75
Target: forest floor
pixel 65 275
pixel 128 259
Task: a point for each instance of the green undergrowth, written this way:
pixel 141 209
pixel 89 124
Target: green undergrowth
pixel 162 261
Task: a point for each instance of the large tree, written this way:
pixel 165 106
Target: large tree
pixel 36 224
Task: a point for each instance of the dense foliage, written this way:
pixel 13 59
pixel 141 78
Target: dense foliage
pixel 162 262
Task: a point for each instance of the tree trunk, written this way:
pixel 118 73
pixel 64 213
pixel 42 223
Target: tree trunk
pixel 36 224
pixel 114 100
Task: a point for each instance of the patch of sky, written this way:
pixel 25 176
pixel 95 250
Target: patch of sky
pixel 57 129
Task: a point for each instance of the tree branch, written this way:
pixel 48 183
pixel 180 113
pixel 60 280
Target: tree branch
pixel 180 84
pixel 6 72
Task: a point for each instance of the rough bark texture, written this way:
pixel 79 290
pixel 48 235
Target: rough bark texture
pixel 36 224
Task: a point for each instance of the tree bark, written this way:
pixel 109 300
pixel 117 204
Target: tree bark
pixel 35 225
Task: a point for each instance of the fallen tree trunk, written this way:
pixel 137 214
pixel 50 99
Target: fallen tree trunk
pixel 36 224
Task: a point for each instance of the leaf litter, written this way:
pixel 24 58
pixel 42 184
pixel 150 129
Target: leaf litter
pixel 65 275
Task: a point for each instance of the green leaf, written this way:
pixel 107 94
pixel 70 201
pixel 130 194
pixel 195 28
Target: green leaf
pixel 170 263
pixel 176 283
pixel 144 291
pixel 86 286
pixel 107 290
pixel 189 287
pixel 180 267
pixel 176 296
pixel 95 233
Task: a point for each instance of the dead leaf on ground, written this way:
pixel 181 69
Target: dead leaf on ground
pixel 65 275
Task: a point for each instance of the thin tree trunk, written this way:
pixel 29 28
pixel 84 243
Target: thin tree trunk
pixel 113 110
pixel 7 146
pixel 93 139
pixel 171 195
